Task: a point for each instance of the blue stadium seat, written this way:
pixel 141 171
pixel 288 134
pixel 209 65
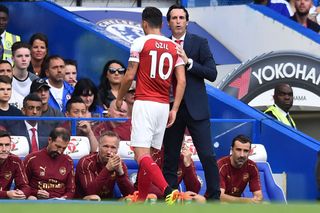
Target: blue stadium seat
pixel 270 189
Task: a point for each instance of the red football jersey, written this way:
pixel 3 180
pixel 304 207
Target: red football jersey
pixel 157 57
pixel 234 180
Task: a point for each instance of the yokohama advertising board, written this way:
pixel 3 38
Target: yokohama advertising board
pixel 253 82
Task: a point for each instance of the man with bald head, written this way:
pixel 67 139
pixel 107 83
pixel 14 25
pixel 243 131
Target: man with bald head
pixel 283 100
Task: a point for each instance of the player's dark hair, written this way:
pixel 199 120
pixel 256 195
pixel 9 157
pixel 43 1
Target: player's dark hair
pixel 175 6
pixel 4 133
pixel 153 16
pixel 71 62
pixel 242 139
pixel 73 100
pixel 279 86
pixel 60 132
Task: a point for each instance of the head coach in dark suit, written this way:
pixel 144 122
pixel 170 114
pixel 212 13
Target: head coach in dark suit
pixel 193 112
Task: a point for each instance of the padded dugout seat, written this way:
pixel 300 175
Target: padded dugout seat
pixel 19 146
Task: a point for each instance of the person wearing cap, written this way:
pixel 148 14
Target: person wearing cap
pixel 129 97
pixel 41 87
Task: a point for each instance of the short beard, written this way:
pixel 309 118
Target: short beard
pixel 301 14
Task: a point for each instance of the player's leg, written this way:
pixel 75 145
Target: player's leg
pixel 143 127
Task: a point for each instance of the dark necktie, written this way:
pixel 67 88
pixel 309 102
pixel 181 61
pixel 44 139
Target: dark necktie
pixel 289 119
pixel 179 41
pixel 34 145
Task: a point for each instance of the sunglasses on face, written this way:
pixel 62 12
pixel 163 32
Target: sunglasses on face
pixel 121 71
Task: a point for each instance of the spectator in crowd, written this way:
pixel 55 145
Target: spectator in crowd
pixel 301 15
pixel 39 51
pixel 76 108
pixel 236 171
pixel 122 128
pixel 151 114
pixel 41 87
pixel 276 6
pixel 110 80
pixel 194 111
pixel 71 72
pixel 97 173
pixel 5 108
pixel 129 98
pixel 11 169
pixel 49 171
pixel 88 92
pixel 36 132
pixel 60 90
pixel 22 78
pixel 7 39
pixel 186 171
pixel 283 100
pixel 6 68
pixel 5 93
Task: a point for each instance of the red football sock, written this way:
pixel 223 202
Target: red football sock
pixel 144 183
pixel 150 170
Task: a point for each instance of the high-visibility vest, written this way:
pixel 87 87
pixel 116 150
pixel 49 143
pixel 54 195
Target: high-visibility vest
pixel 280 117
pixel 9 39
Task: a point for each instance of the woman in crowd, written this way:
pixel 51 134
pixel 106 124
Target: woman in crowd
pixel 110 80
pixel 88 92
pixel 39 51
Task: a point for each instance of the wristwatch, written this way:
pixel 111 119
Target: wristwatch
pixel 189 63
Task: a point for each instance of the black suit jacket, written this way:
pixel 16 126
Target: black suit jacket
pixel 19 128
pixel 204 67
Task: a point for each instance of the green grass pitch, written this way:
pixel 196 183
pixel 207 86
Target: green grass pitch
pixel 118 207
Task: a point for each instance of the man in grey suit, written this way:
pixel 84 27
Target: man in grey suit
pixel 193 112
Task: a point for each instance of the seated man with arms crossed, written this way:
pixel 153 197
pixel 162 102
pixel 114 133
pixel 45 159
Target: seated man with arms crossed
pixel 236 170
pixel 97 173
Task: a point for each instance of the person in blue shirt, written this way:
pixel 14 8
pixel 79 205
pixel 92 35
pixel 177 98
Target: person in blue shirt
pixel 60 90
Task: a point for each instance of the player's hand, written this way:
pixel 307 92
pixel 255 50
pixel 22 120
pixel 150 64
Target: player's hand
pixel 196 197
pixel 182 53
pixel 119 104
pixel 43 194
pixel 16 194
pixel 171 118
pixel 186 153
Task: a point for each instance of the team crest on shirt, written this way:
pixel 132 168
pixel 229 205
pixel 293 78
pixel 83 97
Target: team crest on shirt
pixel 8 175
pixel 121 30
pixel 62 170
pixel 245 176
